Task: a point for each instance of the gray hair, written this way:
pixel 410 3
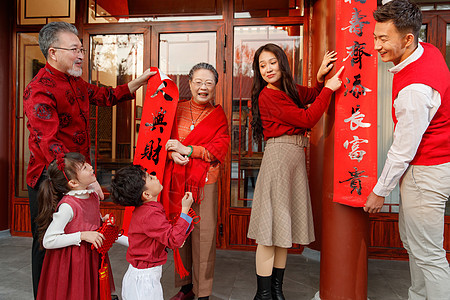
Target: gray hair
pixel 48 35
pixel 204 66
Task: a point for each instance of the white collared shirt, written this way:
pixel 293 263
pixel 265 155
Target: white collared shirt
pixel 415 107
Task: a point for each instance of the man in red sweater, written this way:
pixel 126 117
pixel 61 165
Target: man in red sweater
pixel 420 153
pixel 56 103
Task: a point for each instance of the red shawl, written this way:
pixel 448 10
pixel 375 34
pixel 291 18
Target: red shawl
pixel 211 133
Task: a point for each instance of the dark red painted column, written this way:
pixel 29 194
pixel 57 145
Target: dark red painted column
pixel 342 231
pixel 343 258
pixel 6 13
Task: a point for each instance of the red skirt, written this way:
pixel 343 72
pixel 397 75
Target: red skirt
pixel 71 273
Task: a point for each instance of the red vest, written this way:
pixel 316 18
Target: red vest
pixel 86 213
pixel 430 69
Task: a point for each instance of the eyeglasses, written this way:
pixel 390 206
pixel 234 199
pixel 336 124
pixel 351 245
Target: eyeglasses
pixel 74 50
pixel 208 83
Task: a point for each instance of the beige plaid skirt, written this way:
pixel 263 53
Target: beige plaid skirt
pixel 281 211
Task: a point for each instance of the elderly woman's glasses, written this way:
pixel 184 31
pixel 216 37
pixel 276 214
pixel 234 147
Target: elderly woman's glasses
pixel 208 83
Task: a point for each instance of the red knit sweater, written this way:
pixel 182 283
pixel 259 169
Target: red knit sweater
pixel 280 115
pixel 430 69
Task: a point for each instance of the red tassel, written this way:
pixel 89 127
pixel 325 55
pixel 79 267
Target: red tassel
pixel 181 270
pixel 179 264
pixel 103 281
pixel 193 215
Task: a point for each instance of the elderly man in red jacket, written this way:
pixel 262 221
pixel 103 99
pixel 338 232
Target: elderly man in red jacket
pixel 56 103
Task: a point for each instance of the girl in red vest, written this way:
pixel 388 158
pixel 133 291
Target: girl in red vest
pixel 69 215
pixel 281 211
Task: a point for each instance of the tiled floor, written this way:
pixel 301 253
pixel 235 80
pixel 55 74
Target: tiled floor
pixel 234 274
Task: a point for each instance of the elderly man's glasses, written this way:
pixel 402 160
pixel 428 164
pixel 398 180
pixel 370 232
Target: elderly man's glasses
pixel 74 50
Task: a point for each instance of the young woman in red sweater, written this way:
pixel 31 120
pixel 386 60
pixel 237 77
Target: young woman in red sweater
pixel 281 212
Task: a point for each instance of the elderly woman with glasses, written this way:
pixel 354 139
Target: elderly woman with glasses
pixel 198 144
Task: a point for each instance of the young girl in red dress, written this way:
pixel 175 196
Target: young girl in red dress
pixel 69 215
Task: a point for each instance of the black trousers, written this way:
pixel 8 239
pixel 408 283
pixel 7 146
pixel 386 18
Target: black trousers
pixel 37 253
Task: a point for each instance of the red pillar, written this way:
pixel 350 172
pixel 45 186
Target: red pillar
pixel 342 231
pixel 6 13
pixel 343 258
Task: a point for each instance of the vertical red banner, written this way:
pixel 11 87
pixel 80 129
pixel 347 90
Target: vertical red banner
pixel 355 148
pixel 158 115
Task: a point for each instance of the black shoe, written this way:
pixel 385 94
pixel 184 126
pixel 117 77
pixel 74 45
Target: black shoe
pixel 277 284
pixel 114 297
pixel 263 292
pixel 182 296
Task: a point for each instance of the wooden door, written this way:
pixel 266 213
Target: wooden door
pixel 177 48
pixel 436 30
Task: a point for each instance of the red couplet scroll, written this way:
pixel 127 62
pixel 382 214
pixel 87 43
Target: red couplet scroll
pixel 355 149
pixel 157 120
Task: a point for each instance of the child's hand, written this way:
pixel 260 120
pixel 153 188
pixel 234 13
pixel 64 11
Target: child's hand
pixel 93 237
pixel 186 202
pixel 106 219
